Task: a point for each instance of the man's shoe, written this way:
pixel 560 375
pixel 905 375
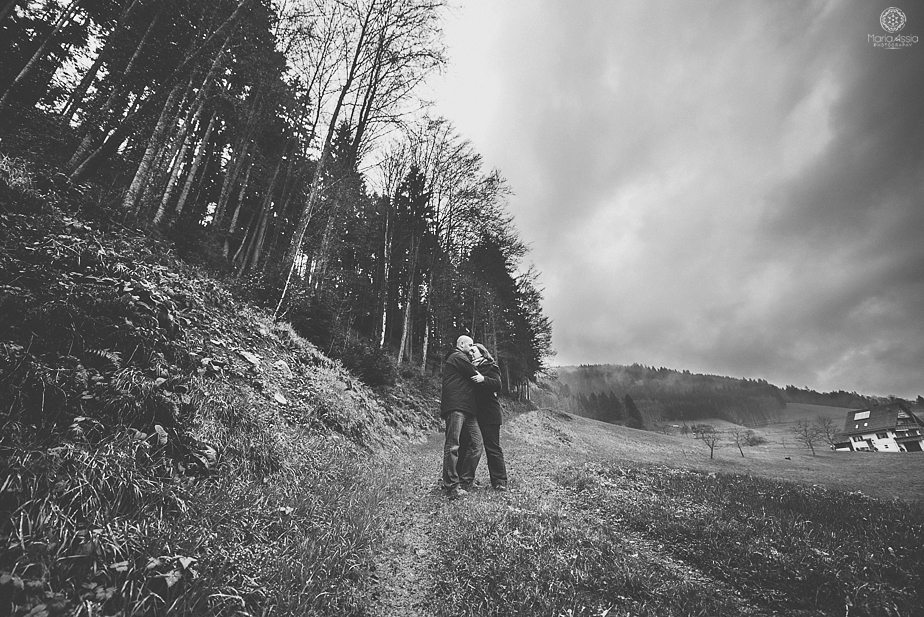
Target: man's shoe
pixel 500 487
pixel 457 493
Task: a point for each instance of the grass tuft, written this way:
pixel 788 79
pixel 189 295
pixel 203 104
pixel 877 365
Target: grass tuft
pixel 15 173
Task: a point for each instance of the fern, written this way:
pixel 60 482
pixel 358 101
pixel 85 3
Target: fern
pixel 103 359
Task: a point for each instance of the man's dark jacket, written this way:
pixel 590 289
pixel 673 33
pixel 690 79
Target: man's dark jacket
pixel 458 390
pixel 489 409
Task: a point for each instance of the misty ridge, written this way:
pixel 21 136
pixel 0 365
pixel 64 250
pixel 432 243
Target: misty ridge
pixel 642 396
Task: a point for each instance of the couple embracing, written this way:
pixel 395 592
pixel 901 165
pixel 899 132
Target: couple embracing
pixel 471 410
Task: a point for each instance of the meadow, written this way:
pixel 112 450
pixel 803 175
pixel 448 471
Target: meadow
pixel 877 474
pixel 610 521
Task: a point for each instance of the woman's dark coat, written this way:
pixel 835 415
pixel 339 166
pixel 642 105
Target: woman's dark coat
pixel 489 410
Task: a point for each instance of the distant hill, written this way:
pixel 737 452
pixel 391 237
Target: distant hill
pixel 607 392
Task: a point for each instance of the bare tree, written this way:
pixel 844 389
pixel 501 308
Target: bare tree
pixel 807 434
pixel 352 50
pixel 827 429
pixel 740 437
pixel 709 435
pixel 386 48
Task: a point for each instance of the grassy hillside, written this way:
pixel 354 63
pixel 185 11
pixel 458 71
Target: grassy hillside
pixel 880 475
pixel 165 448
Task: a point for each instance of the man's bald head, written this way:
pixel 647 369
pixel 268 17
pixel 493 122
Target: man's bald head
pixel 464 343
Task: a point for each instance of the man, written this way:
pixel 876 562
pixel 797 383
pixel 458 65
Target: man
pixel 457 408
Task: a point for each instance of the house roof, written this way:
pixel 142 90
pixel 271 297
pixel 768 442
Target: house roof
pixel 879 418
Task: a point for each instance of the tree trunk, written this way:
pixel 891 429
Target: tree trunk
pixel 426 334
pixel 231 175
pixel 111 143
pixel 368 99
pixel 259 237
pixel 223 29
pixel 180 69
pixel 237 208
pixel 189 129
pixel 177 164
pixel 131 201
pixel 201 183
pixel 197 161
pixel 319 271
pixel 59 25
pixel 166 159
pixel 412 273
pixel 244 238
pixel 293 178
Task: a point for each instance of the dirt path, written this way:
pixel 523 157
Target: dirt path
pixel 402 570
pixel 404 560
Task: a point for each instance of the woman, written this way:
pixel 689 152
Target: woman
pixel 489 414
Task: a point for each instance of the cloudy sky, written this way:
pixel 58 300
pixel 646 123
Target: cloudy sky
pixel 731 187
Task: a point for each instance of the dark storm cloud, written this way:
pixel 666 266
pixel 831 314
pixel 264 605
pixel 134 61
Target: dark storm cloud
pixel 729 187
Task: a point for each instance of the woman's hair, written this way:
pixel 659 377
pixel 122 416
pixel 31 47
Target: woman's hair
pixel 484 352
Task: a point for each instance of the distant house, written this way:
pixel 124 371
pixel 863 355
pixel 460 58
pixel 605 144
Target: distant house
pixel 892 427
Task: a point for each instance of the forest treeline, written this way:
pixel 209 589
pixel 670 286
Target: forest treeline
pixel 638 394
pixel 251 133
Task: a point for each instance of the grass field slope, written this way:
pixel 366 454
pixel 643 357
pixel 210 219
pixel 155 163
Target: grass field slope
pixel 166 448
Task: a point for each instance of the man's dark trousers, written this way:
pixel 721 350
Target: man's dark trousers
pixel 460 427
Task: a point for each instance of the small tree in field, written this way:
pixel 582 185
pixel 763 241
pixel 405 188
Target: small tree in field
pixel 827 429
pixel 740 437
pixel 708 434
pixel 807 434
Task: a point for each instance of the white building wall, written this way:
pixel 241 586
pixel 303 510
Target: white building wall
pixel 886 444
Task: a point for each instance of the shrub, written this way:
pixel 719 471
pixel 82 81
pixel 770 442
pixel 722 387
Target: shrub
pixel 365 360
pixel 315 321
pixel 194 244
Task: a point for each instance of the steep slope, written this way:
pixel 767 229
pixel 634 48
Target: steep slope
pixel 165 447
